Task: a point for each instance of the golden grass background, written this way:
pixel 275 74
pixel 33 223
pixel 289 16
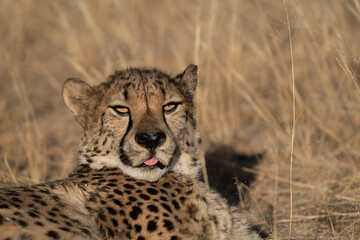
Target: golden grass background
pixel 244 95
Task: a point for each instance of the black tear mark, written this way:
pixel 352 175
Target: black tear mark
pixel 123 157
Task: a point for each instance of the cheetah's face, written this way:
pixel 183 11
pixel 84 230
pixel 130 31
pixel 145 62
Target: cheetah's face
pixel 140 120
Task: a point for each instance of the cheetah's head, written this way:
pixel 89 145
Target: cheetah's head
pixel 139 120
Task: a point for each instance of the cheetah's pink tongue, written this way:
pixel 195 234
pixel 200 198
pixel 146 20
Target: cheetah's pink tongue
pixel 152 161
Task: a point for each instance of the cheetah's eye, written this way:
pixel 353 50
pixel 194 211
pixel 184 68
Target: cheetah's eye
pixel 170 107
pixel 121 110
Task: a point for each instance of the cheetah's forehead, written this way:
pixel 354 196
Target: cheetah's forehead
pixel 142 85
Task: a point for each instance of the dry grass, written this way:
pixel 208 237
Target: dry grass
pixel 244 98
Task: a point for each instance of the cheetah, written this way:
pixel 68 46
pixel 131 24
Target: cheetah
pixel 138 169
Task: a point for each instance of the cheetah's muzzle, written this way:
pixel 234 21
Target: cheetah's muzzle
pixel 151 141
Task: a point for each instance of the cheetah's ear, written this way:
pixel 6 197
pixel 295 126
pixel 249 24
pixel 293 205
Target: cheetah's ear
pixel 188 79
pixel 81 98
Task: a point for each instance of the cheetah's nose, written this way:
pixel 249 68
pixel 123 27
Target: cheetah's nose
pixel 150 140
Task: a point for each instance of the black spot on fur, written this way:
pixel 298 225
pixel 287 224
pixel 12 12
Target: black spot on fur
pixel 126 222
pixel 167 207
pixel 163 199
pixel 117 202
pixel 152 191
pixel 110 232
pixel 163 191
pixel 16 200
pixel 128 186
pixel 135 212
pixel 132 199
pixel 125 93
pixel 162 89
pixel 127 85
pixel 16 205
pixel 96 178
pixel 85 231
pixel 53 234
pixel 4 206
pixel 42 203
pixel 12 193
pixel 114 222
pixel 63 216
pixel 166 185
pixel 153 208
pixel 98 151
pixel 102 216
pixel 111 210
pixel 158 82
pixel 176 204
pixel 168 225
pixel 21 223
pixel 128 235
pixel 68 223
pixel 182 199
pixel 144 196
pixel 189 192
pixel 52 220
pixel 51 213
pixel 39 223
pixel 140 238
pixel 137 228
pixel 45 191
pixel 140 184
pixel 118 192
pixel 33 214
pixel 19 214
pixel 151 226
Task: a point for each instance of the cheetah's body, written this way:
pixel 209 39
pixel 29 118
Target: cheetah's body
pixel 138 169
pixel 106 204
